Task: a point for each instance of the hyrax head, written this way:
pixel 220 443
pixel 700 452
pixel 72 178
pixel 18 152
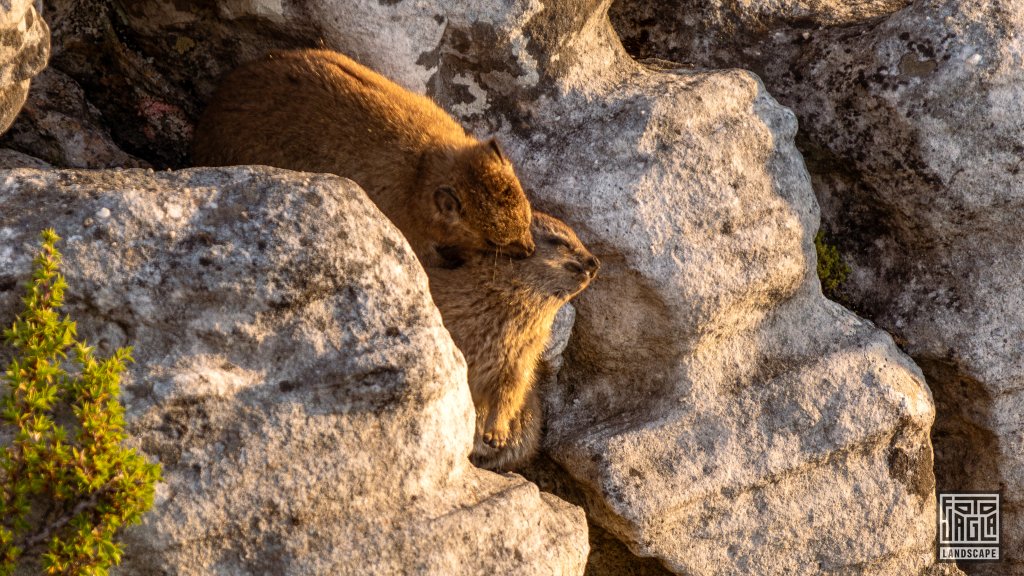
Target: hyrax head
pixel 561 267
pixel 479 201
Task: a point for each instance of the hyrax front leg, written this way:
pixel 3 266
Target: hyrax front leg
pixel 506 402
pixel 497 429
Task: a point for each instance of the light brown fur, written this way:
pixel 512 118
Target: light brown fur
pixel 523 439
pixel 320 111
pixel 499 312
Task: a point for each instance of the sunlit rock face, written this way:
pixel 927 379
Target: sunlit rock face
pixel 292 376
pixel 912 124
pixel 24 49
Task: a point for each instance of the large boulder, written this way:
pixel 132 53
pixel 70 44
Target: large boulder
pixel 291 375
pixel 710 395
pixel 913 125
pixel 23 53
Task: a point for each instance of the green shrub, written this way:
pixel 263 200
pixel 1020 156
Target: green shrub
pixel 66 490
pixel 832 270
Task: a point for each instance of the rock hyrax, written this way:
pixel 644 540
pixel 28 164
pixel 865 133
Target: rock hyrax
pixel 499 312
pixel 320 111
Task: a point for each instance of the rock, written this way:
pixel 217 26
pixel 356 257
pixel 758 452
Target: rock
pixel 608 555
pixel 148 67
pixel 23 53
pixel 60 126
pixel 710 394
pixel 14 159
pixel 561 332
pixel 718 413
pixel 711 32
pixel 913 130
pixel 291 375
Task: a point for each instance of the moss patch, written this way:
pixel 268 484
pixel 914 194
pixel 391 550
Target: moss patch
pixel 832 269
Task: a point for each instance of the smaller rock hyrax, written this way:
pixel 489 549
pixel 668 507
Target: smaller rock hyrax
pixel 499 312
pixel 320 111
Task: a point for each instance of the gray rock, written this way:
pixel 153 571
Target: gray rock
pixel 23 53
pixel 711 32
pixel 913 128
pixel 61 127
pixel 561 331
pixel 292 376
pixel 710 394
pixel 14 159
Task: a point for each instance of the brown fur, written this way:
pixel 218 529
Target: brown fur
pixel 523 439
pixel 320 111
pixel 499 312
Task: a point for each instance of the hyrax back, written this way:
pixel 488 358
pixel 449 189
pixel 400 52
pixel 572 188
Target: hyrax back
pixel 320 111
pixel 499 312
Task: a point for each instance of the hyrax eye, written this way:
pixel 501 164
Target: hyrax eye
pixel 573 267
pixel 447 201
pixel 519 249
pixel 557 241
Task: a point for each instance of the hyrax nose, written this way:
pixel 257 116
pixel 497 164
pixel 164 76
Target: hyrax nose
pixel 592 265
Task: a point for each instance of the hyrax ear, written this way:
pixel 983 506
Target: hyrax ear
pixel 448 203
pixel 495 148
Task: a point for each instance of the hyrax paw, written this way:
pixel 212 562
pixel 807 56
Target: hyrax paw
pixel 496 439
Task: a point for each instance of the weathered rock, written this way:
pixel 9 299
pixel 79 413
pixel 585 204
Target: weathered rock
pixel 23 53
pixel 711 395
pixel 14 159
pixel 149 66
pixel 718 413
pixel 292 376
pixel 715 32
pixel 914 130
pixel 58 125
pixel 608 555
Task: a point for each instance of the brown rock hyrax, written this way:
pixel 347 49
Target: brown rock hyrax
pixel 320 111
pixel 499 312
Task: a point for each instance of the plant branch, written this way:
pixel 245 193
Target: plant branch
pixel 89 503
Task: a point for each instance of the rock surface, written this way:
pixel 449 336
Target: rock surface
pixel 58 125
pixel 913 127
pixel 292 376
pixel 710 394
pixel 716 33
pixel 14 159
pixel 23 53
